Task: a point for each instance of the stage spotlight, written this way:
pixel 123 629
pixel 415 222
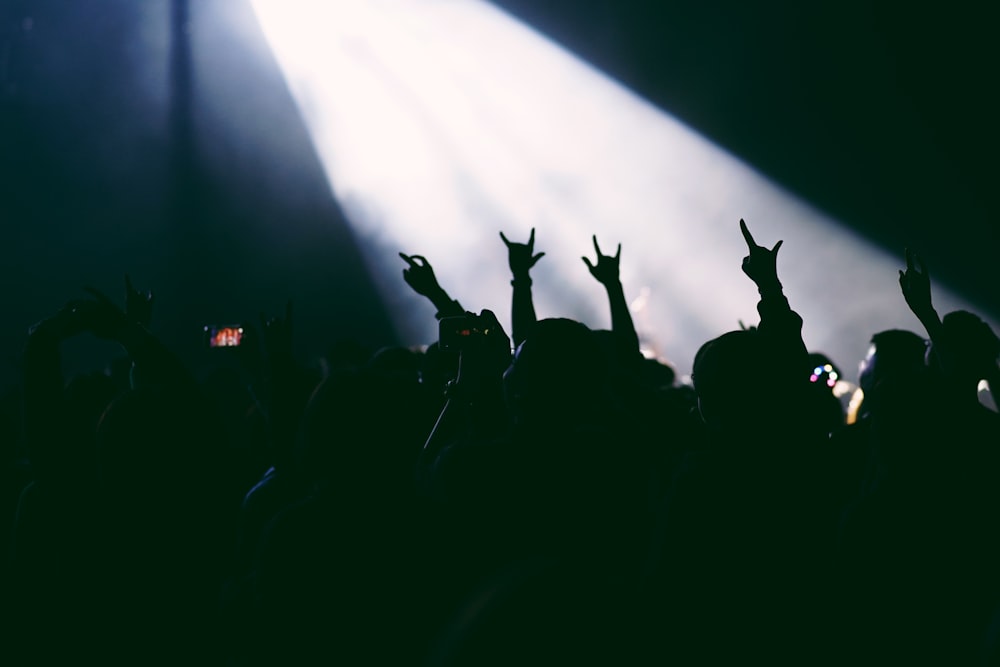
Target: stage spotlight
pixel 440 123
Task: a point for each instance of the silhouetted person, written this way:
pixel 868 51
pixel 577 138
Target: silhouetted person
pixel 746 530
pixel 336 575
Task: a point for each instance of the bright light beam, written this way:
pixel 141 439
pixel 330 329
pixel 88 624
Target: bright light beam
pixel 442 122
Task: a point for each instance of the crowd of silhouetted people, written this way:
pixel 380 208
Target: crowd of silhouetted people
pixel 548 497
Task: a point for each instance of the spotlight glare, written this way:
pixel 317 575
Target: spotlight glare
pixel 440 123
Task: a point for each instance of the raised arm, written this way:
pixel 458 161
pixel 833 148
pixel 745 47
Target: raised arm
pixel 420 276
pixel 153 363
pixel 952 352
pixel 520 258
pixel 43 381
pixel 777 319
pixel 605 271
pixel 761 266
pixel 915 284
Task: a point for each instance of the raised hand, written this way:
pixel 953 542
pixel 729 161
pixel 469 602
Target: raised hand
pixel 138 305
pixel 520 256
pixel 622 326
pixel 105 319
pixel 760 265
pixel 100 316
pixel 420 276
pixel 606 269
pixel 915 284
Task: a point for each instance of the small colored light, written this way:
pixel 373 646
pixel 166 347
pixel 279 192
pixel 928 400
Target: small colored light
pixel 813 378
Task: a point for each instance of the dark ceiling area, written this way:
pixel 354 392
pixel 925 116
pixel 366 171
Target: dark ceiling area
pixel 881 114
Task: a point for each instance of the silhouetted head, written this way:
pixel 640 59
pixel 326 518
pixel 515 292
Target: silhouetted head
pixel 658 374
pixel 559 372
pixel 733 377
pixel 363 429
pixel 891 352
pixel 401 362
pixel 973 348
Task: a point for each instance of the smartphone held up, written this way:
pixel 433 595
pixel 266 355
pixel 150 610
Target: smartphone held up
pixel 224 336
pixel 455 333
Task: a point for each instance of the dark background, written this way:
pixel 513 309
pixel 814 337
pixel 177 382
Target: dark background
pixel 882 114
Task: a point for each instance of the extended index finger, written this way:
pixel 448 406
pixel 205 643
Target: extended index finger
pixel 746 234
pixel 408 259
pixel 597 247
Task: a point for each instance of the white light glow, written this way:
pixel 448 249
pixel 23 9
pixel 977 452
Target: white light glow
pixel 986 395
pixel 442 122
